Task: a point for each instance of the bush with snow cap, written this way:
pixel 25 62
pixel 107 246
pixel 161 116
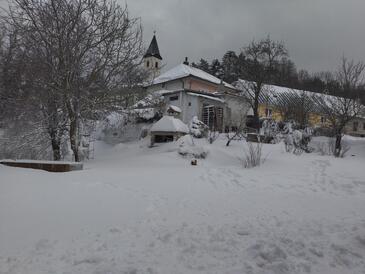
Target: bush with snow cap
pixel 187 148
pixel 197 128
pixel 298 141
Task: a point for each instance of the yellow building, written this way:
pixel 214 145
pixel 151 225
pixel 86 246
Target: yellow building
pixel 283 104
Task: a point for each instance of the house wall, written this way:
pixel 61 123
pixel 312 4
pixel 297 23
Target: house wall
pixel 188 111
pixel 172 85
pixel 199 85
pixel 314 119
pixel 276 114
pixel 191 83
pixel 349 129
pixel 191 108
pixel 191 105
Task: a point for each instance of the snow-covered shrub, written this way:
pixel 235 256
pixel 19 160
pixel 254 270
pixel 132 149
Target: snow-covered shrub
pixel 213 136
pixel 197 152
pixel 188 148
pixel 328 148
pixel 119 127
pixel 197 128
pixel 269 127
pixel 253 155
pixel 148 109
pixel 298 142
pixel 113 125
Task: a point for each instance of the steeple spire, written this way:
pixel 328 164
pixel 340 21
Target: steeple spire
pixel 153 50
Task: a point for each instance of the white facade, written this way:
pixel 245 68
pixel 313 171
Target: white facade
pixel 153 66
pixel 199 97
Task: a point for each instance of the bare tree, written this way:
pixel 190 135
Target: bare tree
pixel 295 105
pixel 84 49
pixel 341 110
pixel 259 66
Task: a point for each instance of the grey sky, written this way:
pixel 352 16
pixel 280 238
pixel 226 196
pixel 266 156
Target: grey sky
pixel 316 32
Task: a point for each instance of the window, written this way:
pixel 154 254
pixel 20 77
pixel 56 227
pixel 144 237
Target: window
pixel 156 65
pixel 174 98
pixel 189 104
pixel 213 117
pixel 355 126
pixel 323 119
pixel 363 126
pixel 208 116
pixel 164 138
pixel 268 112
pixel 148 64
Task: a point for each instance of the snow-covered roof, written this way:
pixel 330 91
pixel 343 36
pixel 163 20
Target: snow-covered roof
pixel 205 96
pixel 277 95
pixel 175 108
pixel 182 71
pixel 169 124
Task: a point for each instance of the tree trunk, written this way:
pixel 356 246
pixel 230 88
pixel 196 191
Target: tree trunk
pixel 256 116
pixel 74 138
pixel 56 144
pixel 338 146
pixel 56 147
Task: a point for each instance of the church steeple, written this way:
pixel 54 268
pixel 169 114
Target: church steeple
pixel 153 59
pixel 153 50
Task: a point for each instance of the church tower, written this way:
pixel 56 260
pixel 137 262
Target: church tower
pixel 152 59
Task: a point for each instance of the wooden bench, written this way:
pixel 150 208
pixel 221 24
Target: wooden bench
pixel 51 166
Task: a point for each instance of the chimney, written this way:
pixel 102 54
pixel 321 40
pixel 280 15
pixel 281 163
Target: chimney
pixel 186 62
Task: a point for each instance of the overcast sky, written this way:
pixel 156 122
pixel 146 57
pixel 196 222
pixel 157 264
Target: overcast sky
pixel 316 32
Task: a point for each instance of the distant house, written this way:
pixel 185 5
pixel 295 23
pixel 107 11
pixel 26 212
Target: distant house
pixel 356 127
pixel 198 93
pixel 275 100
pixel 195 93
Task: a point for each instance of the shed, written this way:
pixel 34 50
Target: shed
pixel 174 111
pixel 168 129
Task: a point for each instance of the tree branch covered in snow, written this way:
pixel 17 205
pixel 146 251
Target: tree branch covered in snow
pixel 74 53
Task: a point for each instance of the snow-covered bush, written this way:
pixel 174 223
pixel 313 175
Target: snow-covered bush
pixel 197 152
pixel 148 109
pixel 188 148
pixel 118 127
pixel 328 148
pixel 197 128
pixel 269 128
pixel 298 141
pixel 253 155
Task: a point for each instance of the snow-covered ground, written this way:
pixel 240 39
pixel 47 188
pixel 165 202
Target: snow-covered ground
pixel 136 209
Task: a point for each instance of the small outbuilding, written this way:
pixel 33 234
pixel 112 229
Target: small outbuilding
pixel 168 129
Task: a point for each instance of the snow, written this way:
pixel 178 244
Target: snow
pixel 40 162
pixel 169 124
pixel 136 209
pixel 183 70
pixel 145 113
pixel 175 108
pixel 206 96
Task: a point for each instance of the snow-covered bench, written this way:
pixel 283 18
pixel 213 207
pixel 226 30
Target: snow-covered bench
pixel 50 166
